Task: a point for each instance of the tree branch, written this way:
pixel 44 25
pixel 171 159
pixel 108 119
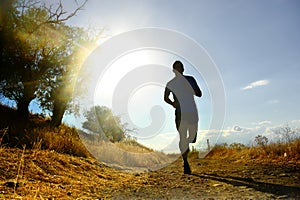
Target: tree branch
pixel 59 12
pixel 57 16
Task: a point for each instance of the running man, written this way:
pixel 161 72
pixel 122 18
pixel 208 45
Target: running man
pixel 183 89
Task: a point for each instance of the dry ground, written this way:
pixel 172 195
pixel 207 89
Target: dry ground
pixel 50 175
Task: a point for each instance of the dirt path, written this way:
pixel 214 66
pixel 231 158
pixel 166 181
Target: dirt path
pixel 50 175
pixel 217 179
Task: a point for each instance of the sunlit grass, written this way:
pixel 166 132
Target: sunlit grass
pixel 273 151
pixel 127 155
pixel 62 139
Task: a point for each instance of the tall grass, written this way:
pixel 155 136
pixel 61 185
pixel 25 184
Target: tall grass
pixel 40 135
pixel 62 139
pixel 275 151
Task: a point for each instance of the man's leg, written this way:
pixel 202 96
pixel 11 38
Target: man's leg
pixel 186 166
pixel 193 128
pixel 184 146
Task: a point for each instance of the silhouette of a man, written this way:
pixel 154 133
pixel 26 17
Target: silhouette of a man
pixel 183 89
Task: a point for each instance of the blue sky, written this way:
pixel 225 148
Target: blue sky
pixel 255 45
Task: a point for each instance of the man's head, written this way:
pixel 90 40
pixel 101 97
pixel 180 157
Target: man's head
pixel 178 66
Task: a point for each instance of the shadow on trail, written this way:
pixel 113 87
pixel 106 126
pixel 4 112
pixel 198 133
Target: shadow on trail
pixel 276 189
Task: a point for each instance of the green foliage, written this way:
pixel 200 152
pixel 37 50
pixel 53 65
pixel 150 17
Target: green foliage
pixel 40 55
pixel 101 120
pixel 27 53
pixel 55 91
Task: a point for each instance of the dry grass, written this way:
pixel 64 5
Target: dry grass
pixel 222 151
pixel 44 174
pixel 279 150
pixel 128 155
pixel 47 174
pixel 62 139
pixel 273 151
pixel 132 145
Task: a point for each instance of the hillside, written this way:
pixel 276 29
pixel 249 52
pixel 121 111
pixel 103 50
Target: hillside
pixel 58 166
pixel 44 174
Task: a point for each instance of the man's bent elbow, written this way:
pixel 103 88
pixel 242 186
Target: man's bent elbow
pixel 198 93
pixel 166 99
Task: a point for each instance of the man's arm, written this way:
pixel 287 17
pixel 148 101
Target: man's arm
pixel 195 86
pixel 166 97
pixel 198 92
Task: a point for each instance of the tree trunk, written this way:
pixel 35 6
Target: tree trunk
pixel 59 109
pixel 17 132
pixel 22 109
pixel 17 129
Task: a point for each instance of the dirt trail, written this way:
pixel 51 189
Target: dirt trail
pixel 220 179
pixel 49 175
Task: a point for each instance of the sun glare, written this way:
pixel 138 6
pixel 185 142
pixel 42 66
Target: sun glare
pixel 117 70
pixel 132 85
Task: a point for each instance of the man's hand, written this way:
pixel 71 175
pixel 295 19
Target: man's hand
pixel 166 97
pixel 175 104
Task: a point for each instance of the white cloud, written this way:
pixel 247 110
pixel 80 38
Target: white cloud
pixel 295 122
pixel 226 133
pixel 256 84
pixel 238 134
pixel 262 123
pixel 244 135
